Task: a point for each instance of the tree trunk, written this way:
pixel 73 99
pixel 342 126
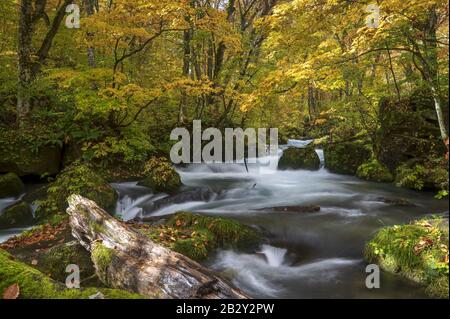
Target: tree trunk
pixel 25 63
pixel 30 62
pixel 127 259
pixel 90 9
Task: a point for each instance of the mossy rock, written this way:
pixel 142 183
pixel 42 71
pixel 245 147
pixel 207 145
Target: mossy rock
pixel 11 185
pixel 422 177
pixel 76 179
pixel 374 171
pixel 418 251
pixel 161 176
pixel 33 284
pixel 346 157
pixel 17 215
pixel 53 262
pixel 196 236
pixel 299 158
pixel 408 129
pixel 25 161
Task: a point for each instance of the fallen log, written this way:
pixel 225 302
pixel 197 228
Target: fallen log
pixel 126 259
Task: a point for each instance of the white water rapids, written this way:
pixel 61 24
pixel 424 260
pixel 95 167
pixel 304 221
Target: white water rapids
pixel 310 255
pixel 303 255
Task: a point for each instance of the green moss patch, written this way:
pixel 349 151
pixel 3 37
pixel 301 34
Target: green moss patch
pixel 418 251
pixel 373 170
pixel 161 176
pixel 422 176
pixel 299 158
pixel 196 236
pixel 35 285
pixel 76 179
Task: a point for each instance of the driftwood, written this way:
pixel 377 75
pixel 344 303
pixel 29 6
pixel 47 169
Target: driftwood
pixel 126 259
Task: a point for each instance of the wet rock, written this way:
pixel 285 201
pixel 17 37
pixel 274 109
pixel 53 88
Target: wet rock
pixel 299 158
pixel 17 215
pixel 295 209
pixel 395 201
pixel 11 185
pixel 161 176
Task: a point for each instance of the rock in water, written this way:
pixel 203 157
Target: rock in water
pixel 10 185
pixel 17 215
pixel 126 259
pixel 299 158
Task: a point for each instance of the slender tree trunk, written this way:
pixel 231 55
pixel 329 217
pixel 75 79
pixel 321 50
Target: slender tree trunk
pixel 432 68
pixel 90 10
pixel 182 116
pixel 25 63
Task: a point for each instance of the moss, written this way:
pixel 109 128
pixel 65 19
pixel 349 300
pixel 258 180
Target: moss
pixel 422 176
pixel 299 158
pixel 408 129
pixel 346 157
pixel 11 185
pixel 35 149
pixel 35 285
pixel 102 258
pixel 76 179
pixel 161 176
pixel 373 170
pixel 53 262
pixel 196 236
pixel 17 215
pixel 418 251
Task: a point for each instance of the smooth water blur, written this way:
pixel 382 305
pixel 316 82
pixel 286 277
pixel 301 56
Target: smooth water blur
pixel 309 255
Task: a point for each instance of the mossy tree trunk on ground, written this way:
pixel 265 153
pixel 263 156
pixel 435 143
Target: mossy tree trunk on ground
pixel 127 259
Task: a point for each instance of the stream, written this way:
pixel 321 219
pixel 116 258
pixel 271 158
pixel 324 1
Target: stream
pixel 306 255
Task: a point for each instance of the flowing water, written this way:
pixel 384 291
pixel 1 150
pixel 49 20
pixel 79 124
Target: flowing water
pixel 306 255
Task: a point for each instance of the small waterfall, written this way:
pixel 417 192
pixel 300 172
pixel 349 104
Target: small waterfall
pixel 275 256
pixel 128 208
pixel 299 143
pixel 321 157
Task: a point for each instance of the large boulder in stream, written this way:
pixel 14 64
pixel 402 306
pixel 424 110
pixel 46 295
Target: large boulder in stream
pixel 299 158
pixel 17 215
pixel 346 157
pixel 78 178
pixel 161 176
pixel 11 185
